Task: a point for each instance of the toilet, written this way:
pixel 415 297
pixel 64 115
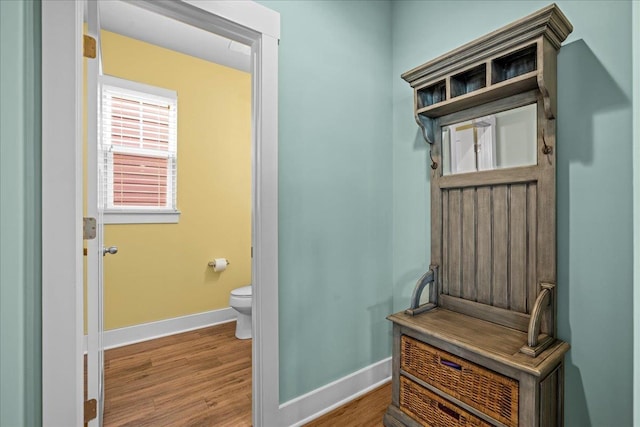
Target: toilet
pixel 240 301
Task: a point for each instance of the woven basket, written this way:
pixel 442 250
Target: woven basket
pixel 480 388
pixel 433 411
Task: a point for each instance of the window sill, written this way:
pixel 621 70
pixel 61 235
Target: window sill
pixel 141 217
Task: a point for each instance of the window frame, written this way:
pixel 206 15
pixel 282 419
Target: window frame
pixel 138 214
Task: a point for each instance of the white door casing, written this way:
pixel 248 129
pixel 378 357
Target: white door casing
pixel 245 22
pixel 62 329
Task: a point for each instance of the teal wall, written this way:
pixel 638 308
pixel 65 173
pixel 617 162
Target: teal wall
pixel 20 310
pixel 334 189
pixel 336 161
pixel 594 183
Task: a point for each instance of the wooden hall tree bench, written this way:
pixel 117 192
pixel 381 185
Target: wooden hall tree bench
pixel 483 350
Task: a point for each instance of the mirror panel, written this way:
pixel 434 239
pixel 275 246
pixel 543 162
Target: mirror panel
pixel 503 140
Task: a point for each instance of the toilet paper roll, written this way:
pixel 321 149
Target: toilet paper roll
pixel 220 264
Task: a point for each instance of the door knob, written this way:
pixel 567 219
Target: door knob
pixel 110 250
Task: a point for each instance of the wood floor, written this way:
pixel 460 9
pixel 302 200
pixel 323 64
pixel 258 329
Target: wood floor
pixel 202 378
pixel 365 411
pixel 199 378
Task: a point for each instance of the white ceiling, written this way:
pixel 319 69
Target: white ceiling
pixel 132 21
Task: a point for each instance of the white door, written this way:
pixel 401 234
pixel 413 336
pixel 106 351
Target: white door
pixel 463 143
pixel 95 207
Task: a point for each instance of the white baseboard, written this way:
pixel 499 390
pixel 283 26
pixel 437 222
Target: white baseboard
pixel 148 331
pixel 316 403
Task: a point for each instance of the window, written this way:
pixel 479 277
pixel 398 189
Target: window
pixel 139 152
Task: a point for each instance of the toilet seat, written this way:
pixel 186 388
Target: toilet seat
pixel 244 291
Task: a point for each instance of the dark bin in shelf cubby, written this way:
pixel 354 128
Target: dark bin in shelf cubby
pixel 515 64
pixel 432 94
pixel 468 81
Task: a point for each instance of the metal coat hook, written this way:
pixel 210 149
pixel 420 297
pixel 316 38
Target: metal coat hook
pixel 546 149
pixel 434 164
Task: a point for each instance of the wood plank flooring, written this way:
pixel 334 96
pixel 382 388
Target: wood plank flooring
pixel 365 411
pixel 202 378
pixel 198 378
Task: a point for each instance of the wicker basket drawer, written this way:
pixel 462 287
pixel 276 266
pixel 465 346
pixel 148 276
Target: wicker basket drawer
pixel 478 387
pixel 431 410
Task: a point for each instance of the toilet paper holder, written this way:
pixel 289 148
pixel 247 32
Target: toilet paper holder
pixel 213 263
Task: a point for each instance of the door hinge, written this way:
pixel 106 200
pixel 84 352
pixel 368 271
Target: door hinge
pixel 90 410
pixel 251 251
pixel 89 46
pixel 88 228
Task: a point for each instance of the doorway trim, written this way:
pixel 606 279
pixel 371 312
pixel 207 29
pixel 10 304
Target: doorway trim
pixel 635 79
pixel 62 281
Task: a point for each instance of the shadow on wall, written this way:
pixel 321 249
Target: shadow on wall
pixel 585 89
pixel 407 281
pixel 378 320
pixel 419 144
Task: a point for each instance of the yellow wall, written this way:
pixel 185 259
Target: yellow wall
pixel 161 270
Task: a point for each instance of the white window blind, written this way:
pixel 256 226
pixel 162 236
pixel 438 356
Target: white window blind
pixel 139 149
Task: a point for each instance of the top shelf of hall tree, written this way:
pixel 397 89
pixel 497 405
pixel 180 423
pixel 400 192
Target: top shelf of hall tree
pixel 513 59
